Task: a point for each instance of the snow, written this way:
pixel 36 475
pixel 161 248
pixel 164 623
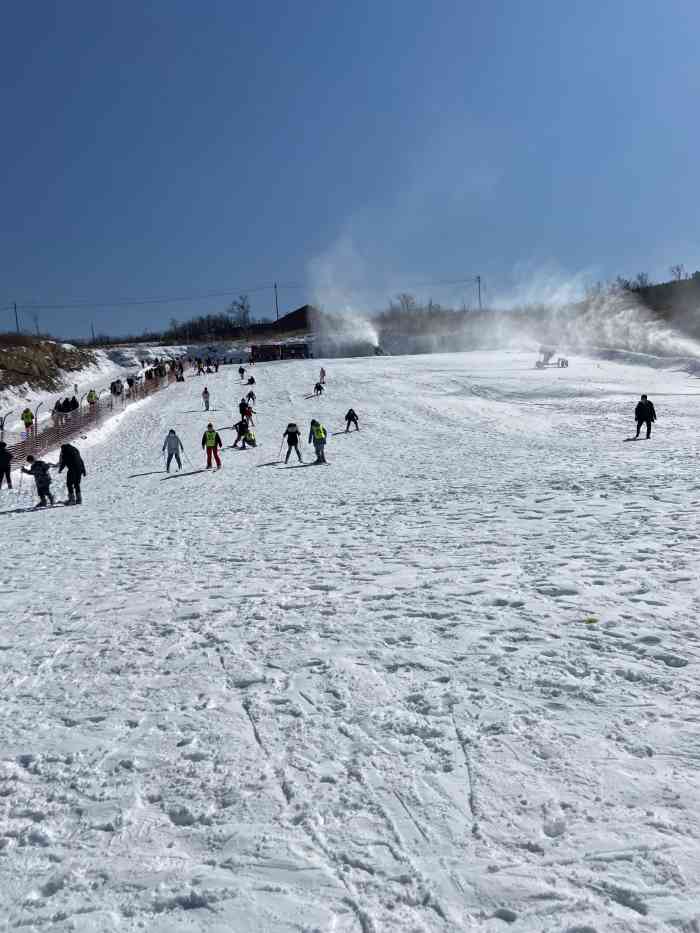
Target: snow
pixel 448 682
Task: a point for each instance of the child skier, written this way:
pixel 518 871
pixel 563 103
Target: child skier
pixel 173 445
pixel 293 434
pixel 39 469
pixel 205 398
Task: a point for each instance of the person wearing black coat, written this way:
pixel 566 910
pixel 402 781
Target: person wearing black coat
pixel 644 413
pixel 5 461
pixel 292 434
pixel 71 460
pixel 351 418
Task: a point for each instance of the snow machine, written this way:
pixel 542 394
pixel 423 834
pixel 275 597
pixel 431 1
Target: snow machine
pixel 546 361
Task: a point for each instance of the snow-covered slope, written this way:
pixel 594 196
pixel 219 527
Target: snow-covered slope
pixel 446 682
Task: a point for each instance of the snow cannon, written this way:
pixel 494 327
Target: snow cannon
pixel 546 361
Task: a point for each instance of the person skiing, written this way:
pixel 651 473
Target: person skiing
pixel 5 460
pixel 249 412
pixel 241 428
pixel 322 376
pixel 92 397
pixel 241 372
pixel 293 434
pixel 351 418
pixel 211 442
pixel 318 389
pixel 318 435
pixel 173 445
pixel 205 398
pixel 242 407
pixel 28 420
pixel 71 460
pixel 39 469
pixel 250 397
pixel 644 413
pixel 249 439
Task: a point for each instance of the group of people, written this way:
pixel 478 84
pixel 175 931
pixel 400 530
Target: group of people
pixel 69 460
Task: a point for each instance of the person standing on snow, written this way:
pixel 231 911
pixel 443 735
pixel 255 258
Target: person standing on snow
pixel 318 435
pixel 71 460
pixel 242 407
pixel 318 389
pixel 173 445
pixel 293 435
pixel 241 372
pixel 28 420
pixel 211 442
pixel 351 418
pixel 241 428
pixel 39 469
pixel 250 397
pixel 205 398
pixel 644 413
pixel 5 461
pixel 322 376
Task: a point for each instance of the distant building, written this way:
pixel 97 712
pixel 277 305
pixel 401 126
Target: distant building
pixel 266 352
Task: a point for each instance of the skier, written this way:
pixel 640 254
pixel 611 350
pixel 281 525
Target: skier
pixel 174 445
pixel 71 460
pixel 318 435
pixel 205 398
pixel 322 376
pixel 39 469
pixel 5 460
pixel 28 420
pixel 249 412
pixel 250 397
pixel 293 434
pixel 318 389
pixel 241 428
pixel 242 407
pixel 241 372
pixel 249 439
pixel 644 413
pixel 92 397
pixel 351 418
pixel 211 442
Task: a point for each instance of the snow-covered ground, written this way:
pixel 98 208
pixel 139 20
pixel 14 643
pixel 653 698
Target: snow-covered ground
pixel 446 682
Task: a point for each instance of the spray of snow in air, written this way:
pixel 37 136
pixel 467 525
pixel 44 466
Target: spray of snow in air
pixel 335 279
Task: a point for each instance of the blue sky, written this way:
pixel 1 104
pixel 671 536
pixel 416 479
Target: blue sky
pixel 351 150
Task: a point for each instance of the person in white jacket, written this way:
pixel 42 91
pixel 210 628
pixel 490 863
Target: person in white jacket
pixel 173 445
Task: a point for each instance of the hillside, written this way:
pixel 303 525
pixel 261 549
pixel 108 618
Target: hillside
pixel 448 682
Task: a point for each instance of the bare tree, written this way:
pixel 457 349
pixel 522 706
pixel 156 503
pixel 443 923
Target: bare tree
pixel 677 272
pixel 642 281
pixel 240 310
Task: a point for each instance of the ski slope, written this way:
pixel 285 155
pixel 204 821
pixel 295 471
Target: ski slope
pixel 447 682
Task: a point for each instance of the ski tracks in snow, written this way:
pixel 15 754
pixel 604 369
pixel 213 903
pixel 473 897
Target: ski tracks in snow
pixel 448 683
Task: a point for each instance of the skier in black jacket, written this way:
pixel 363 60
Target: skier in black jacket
pixel 39 469
pixel 351 418
pixel 71 460
pixel 5 460
pixel 644 413
pixel 292 434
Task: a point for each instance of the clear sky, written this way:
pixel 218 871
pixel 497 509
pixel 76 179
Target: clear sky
pixel 167 148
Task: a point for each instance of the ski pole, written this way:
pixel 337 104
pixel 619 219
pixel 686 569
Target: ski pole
pixel 279 455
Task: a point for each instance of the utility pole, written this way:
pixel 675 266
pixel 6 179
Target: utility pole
pixel 478 288
pixel 277 308
pixel 16 317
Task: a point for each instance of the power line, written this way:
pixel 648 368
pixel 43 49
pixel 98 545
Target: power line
pixel 202 296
